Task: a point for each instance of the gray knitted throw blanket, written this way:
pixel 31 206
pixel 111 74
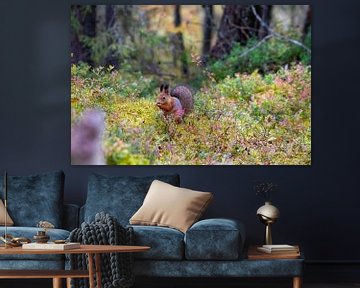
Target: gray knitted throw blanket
pixel 116 268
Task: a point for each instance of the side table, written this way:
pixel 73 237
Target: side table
pixel 255 255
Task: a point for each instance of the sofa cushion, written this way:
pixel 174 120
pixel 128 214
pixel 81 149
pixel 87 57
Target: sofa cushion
pixel 119 196
pixel 214 239
pixel 165 243
pixel 29 232
pixel 35 198
pixel 169 206
pixel 9 221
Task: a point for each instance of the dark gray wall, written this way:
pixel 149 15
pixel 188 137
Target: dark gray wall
pixel 318 203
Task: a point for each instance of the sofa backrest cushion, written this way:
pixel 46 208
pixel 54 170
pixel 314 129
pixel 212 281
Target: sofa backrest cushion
pixel 35 198
pixel 120 196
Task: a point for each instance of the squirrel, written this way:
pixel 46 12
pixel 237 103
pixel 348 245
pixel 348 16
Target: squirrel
pixel 177 103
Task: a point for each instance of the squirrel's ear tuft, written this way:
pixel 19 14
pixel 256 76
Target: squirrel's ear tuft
pixel 166 88
pixel 161 87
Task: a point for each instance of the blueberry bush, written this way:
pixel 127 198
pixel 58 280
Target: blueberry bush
pixel 240 117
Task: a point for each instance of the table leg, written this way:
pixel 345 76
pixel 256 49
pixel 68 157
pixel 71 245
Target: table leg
pixel 91 270
pixel 57 283
pixel 297 282
pixel 98 270
pixel 68 282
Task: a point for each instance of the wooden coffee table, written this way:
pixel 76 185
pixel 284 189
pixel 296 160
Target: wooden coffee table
pixel 92 251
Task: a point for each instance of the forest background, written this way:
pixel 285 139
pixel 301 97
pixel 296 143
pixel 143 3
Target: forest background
pixel 249 68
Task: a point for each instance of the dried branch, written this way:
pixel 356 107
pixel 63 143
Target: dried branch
pixel 262 41
pixel 293 41
pixel 265 189
pixel 154 69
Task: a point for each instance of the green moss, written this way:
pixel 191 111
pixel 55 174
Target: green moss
pixel 242 119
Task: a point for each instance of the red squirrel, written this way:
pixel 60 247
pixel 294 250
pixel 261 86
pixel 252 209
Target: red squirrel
pixel 177 103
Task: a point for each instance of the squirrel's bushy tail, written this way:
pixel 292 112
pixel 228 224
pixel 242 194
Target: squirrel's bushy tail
pixel 185 95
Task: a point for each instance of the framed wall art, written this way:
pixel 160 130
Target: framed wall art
pixel 191 84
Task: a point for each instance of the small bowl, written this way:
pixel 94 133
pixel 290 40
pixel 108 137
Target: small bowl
pixel 41 238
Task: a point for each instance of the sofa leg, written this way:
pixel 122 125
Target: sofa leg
pixel 297 282
pixel 57 283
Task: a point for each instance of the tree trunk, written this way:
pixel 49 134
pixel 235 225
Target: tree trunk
pixel 95 28
pixel 207 30
pixel 264 11
pixel 101 36
pixel 83 24
pixel 307 22
pixel 179 47
pixel 239 24
pixel 112 23
pixel 291 19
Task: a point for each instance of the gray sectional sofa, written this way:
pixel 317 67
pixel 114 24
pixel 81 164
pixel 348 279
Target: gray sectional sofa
pixel 210 248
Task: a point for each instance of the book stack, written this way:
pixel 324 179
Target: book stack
pixel 279 249
pixel 51 246
pixel 273 252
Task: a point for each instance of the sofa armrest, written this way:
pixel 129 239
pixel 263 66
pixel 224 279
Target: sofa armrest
pixel 71 216
pixel 215 239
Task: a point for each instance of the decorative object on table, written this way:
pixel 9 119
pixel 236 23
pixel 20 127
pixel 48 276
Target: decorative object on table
pixel 255 254
pixel 45 225
pixel 51 246
pixel 41 236
pixel 268 213
pixel 60 241
pixel 278 249
pixel 116 268
pixel 11 241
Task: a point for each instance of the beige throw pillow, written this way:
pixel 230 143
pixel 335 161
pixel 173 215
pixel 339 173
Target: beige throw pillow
pixel 9 221
pixel 170 206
